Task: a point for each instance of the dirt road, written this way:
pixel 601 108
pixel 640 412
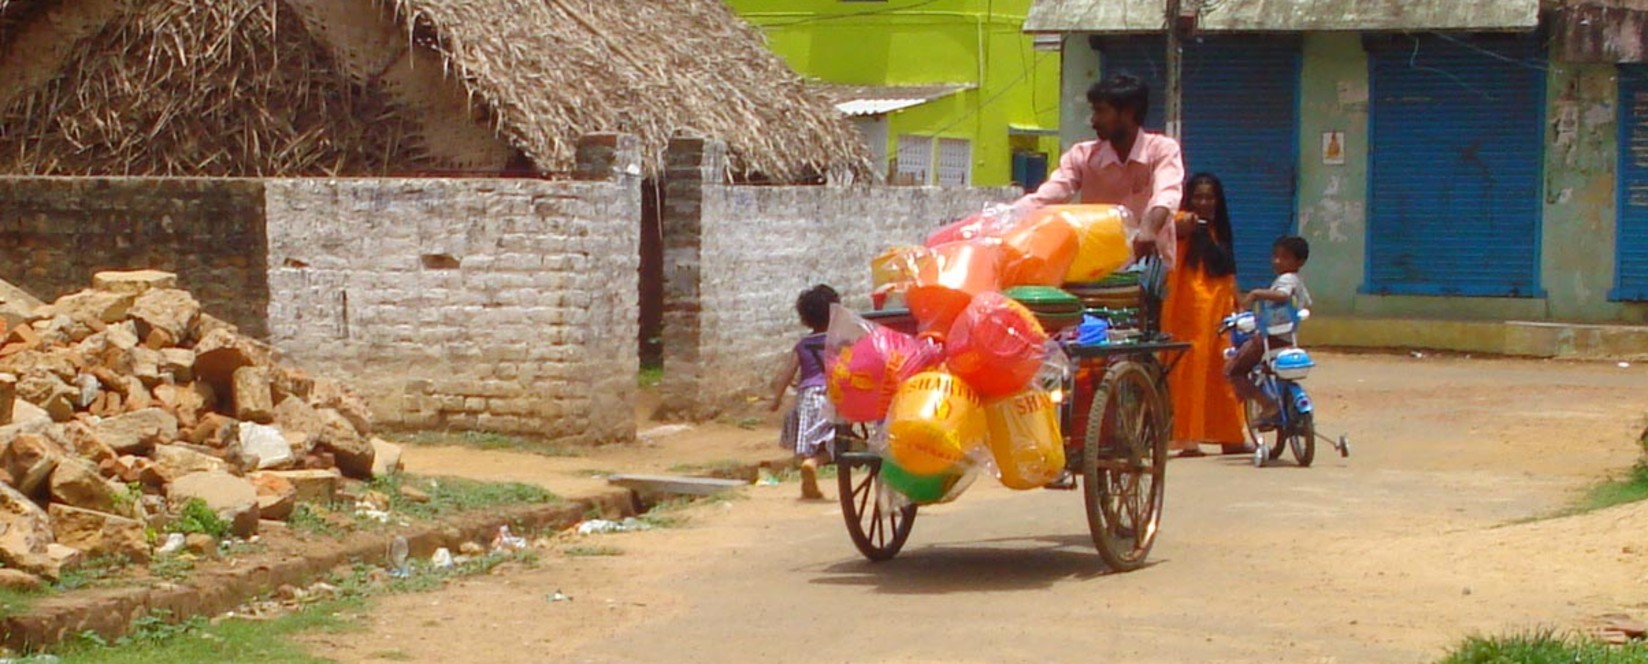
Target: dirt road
pixel 1390 556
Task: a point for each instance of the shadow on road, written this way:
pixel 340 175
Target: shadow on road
pixel 1007 564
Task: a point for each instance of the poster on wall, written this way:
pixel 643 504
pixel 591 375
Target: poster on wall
pixel 1333 148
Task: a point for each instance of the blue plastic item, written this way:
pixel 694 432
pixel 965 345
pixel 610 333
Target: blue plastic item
pixel 1292 364
pixel 1094 331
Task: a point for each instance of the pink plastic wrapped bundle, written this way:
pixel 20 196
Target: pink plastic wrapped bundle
pixel 996 345
pixel 867 363
pixel 949 278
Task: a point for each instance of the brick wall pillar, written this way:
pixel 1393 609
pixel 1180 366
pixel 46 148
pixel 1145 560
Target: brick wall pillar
pixel 608 157
pixel 614 250
pixel 691 163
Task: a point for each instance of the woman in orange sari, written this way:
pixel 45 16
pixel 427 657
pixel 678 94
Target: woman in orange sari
pixel 1201 292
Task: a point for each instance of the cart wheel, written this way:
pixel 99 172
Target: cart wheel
pixel 1124 461
pixel 877 526
pixel 1302 439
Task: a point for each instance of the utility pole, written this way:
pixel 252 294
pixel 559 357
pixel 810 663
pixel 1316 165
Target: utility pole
pixel 1175 96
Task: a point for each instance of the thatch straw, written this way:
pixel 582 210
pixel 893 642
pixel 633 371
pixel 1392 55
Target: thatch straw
pixel 203 87
pixel 554 68
pixel 240 87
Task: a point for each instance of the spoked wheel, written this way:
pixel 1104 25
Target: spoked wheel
pixel 1302 438
pixel 1124 462
pixel 878 526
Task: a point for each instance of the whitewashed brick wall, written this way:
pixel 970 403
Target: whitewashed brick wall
pixel 532 332
pixel 758 248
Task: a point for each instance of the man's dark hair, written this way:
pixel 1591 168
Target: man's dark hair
pixel 1295 245
pixel 814 306
pixel 1122 92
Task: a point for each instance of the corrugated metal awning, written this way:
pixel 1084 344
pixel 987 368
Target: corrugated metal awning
pixel 862 100
pixel 1123 16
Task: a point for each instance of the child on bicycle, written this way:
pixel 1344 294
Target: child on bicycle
pixel 808 429
pixel 1277 305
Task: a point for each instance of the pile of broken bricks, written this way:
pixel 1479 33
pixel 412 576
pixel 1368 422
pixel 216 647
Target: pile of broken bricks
pixel 122 403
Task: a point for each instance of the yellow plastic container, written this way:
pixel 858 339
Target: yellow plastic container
pixel 897 265
pixel 936 420
pixel 1102 244
pixel 1025 439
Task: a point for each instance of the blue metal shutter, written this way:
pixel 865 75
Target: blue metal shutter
pixel 1631 228
pixel 1455 156
pixel 1241 118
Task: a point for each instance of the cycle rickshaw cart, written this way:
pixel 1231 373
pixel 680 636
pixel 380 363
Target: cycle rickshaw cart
pixel 1116 418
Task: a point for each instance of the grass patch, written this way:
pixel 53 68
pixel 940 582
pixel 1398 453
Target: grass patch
pixel 450 495
pixel 649 377
pixel 157 640
pixel 311 520
pixel 17 602
pixel 596 472
pixel 172 568
pixel 198 518
pixel 492 442
pixel 587 551
pixel 1544 647
pixel 161 642
pixel 719 468
pixel 93 572
pixel 1631 488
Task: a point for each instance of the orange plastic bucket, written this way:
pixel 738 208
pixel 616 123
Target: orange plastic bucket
pixel 1025 439
pixel 936 421
pixel 948 277
pixel 1038 252
pixel 1102 244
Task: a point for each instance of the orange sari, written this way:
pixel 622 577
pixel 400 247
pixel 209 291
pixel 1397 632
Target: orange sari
pixel 1205 408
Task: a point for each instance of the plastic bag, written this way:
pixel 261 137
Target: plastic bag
pixel 992 222
pixel 935 422
pixel 1038 252
pixel 928 489
pixel 896 265
pixel 1103 238
pixel 996 345
pixel 1025 440
pixel 948 279
pixel 866 364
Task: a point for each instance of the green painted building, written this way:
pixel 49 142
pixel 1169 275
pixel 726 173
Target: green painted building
pixel 1471 174
pixel 945 91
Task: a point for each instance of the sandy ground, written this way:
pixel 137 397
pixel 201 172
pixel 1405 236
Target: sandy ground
pixel 1417 540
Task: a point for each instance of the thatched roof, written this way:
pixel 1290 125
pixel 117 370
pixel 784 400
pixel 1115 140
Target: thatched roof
pixel 371 87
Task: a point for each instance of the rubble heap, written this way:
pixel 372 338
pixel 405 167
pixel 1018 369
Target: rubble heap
pixel 122 403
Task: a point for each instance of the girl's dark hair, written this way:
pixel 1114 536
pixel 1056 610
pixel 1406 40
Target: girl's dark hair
pixel 1212 247
pixel 814 306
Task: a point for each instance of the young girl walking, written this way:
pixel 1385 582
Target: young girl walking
pixel 808 429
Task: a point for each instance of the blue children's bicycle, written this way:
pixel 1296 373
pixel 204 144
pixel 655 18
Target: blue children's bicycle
pixel 1279 375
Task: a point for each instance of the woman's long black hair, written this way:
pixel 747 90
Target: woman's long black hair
pixel 1211 245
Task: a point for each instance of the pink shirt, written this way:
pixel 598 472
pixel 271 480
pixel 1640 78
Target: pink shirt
pixel 1152 177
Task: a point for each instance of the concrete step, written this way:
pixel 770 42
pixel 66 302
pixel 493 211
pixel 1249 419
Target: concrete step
pixel 1516 338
